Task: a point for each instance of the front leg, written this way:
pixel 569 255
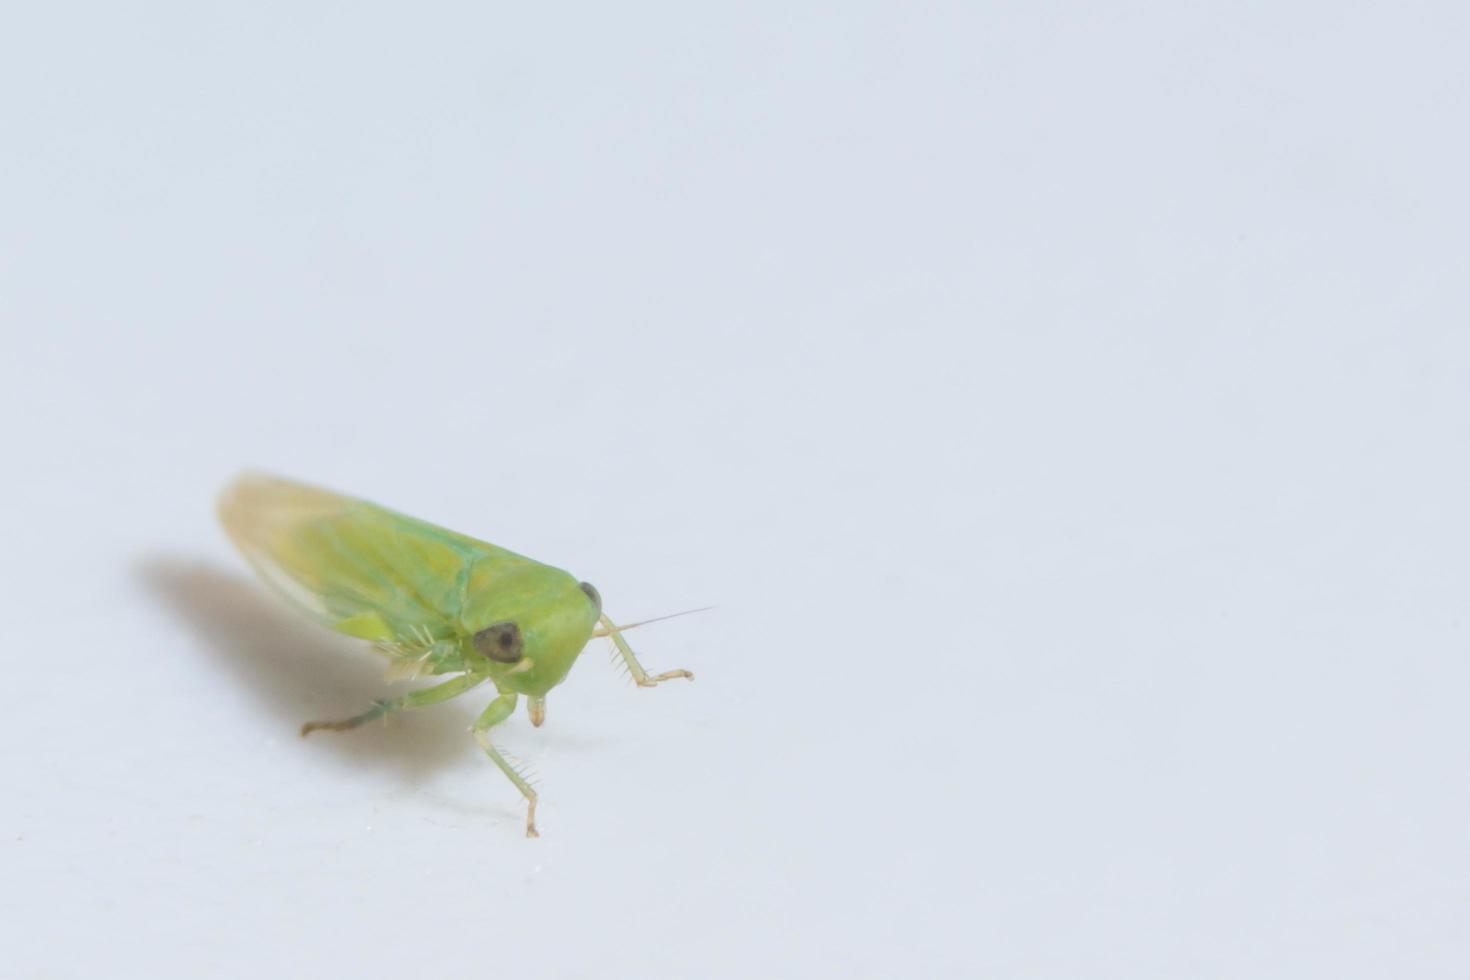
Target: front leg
pixel 413 699
pixel 634 667
pixel 500 709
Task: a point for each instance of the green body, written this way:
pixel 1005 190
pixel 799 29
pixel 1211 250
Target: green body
pixel 431 600
pixel 422 592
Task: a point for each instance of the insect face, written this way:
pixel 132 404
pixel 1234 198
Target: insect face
pixel 535 625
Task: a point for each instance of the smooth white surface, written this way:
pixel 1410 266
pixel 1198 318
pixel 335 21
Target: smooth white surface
pixel 1066 408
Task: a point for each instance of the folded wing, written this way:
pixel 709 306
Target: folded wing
pixel 354 566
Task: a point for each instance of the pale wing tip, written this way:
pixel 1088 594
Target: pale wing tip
pixel 254 505
pixel 241 499
pixel 260 512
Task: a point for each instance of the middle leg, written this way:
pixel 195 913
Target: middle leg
pixel 499 710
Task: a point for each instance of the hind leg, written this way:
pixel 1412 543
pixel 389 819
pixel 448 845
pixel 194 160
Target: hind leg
pixel 413 699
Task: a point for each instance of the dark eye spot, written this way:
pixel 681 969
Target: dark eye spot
pixel 500 642
pixel 592 594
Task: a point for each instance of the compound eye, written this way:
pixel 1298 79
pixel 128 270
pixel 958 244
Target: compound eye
pixel 592 594
pixel 500 642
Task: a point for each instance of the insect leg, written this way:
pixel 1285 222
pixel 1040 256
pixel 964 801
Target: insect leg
pixel 499 710
pixel 634 667
pixel 413 699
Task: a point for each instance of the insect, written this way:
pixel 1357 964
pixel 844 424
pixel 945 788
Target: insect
pixel 430 600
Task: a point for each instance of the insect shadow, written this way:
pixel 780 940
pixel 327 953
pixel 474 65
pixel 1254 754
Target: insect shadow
pixel 301 671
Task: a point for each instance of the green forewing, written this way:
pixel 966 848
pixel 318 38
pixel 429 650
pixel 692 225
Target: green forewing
pixel 362 569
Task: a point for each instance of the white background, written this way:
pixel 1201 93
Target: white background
pixel 1065 405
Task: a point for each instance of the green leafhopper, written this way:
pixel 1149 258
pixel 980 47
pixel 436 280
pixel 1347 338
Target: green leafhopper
pixel 430 600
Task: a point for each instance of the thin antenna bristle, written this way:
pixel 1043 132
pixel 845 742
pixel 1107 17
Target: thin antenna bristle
pixel 645 622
